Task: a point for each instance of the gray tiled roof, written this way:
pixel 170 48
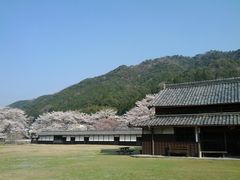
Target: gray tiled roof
pixel 92 132
pixel 211 119
pixel 200 93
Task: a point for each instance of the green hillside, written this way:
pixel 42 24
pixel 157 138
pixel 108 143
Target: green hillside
pixel 122 87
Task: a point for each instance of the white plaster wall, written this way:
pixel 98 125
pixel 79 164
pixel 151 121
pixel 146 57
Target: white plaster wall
pixel 50 138
pixel 81 138
pixel 95 138
pixel 100 138
pixel 111 138
pixel 127 138
pixel 105 138
pixel 122 138
pixel 77 138
pixel 133 138
pixel 164 130
pixel 68 138
pixel 90 138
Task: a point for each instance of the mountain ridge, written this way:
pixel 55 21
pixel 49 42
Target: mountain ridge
pixel 123 86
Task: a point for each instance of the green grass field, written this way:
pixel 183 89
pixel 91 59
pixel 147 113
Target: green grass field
pixel 97 162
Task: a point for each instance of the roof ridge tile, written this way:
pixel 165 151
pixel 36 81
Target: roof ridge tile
pixel 202 83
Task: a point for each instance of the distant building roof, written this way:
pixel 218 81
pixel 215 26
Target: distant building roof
pixel 222 91
pixel 213 119
pixel 119 132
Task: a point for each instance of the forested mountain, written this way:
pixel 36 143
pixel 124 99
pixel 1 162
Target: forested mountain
pixel 122 87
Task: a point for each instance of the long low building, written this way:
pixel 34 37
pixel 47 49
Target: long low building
pixel 121 137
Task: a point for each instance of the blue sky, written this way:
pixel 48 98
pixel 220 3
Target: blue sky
pixel 47 45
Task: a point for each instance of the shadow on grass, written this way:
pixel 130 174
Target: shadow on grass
pixel 136 150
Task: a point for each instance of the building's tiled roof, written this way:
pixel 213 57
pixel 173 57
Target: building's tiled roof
pixel 92 132
pixel 220 91
pixel 211 119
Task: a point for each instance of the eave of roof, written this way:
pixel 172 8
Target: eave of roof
pixel 206 119
pixel 119 132
pixel 206 82
pixel 194 105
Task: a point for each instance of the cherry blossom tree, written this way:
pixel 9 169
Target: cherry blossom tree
pixel 140 112
pixel 75 121
pixel 14 123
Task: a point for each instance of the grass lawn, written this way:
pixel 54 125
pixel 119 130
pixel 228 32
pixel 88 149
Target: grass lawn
pixel 97 162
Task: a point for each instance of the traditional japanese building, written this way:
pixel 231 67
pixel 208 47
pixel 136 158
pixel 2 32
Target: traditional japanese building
pixel 120 137
pixel 194 119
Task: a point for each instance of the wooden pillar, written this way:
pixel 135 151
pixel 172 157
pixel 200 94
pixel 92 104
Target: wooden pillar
pixel 196 134
pixel 197 139
pixel 225 141
pixel 152 131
